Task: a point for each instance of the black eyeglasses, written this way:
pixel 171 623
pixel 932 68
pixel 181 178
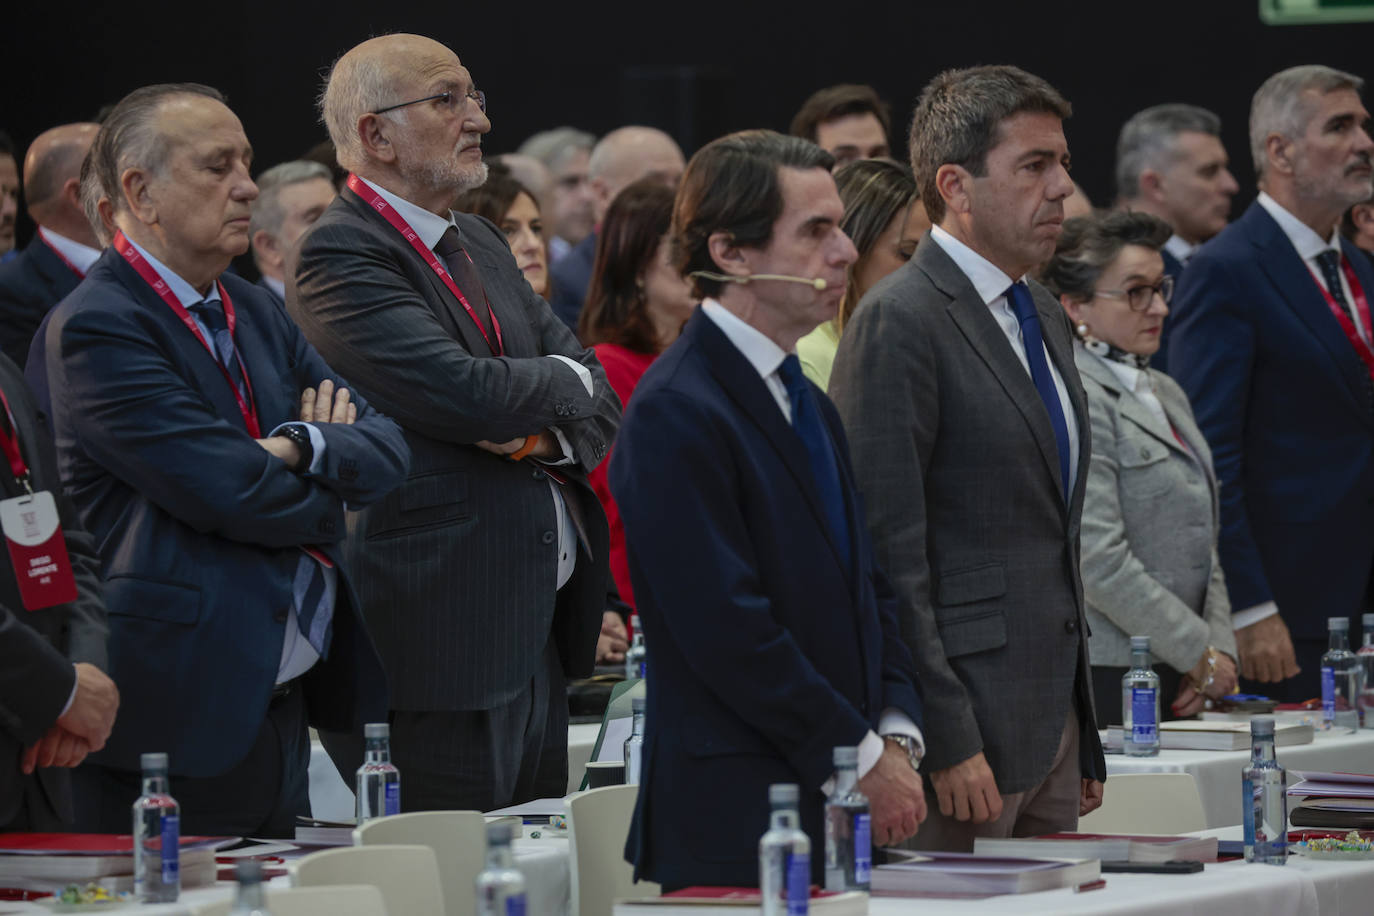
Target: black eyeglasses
pixel 449 98
pixel 1140 297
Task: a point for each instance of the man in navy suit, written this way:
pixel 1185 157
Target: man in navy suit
pixel 774 638
pixel 1272 345
pixel 176 389
pixel 63 249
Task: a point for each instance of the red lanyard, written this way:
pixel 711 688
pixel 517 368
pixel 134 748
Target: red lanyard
pixel 61 257
pixel 388 212
pixel 249 408
pixel 10 443
pixel 1362 306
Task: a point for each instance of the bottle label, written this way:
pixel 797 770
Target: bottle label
pixel 798 883
pixel 515 905
pixel 392 803
pixel 171 848
pixel 863 849
pixel 643 668
pixel 1248 805
pixel 1144 729
pixel 1328 691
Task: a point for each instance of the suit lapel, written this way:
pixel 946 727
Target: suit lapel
pixel 1127 403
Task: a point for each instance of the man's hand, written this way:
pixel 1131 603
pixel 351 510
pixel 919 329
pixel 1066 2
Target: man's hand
pixel 896 800
pixel 58 748
pixel 1090 798
pixel 1266 651
pixel 547 446
pixel 92 713
pixel 968 791
pixel 328 406
pixel 614 639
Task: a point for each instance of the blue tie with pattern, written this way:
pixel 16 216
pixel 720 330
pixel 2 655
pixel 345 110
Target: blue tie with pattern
pixel 211 314
pixel 1023 306
pixel 807 421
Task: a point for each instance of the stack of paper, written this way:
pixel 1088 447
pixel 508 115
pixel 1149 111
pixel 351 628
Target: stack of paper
pixel 1194 735
pixel 1107 847
pixel 1332 800
pixel 959 874
pixel 736 901
pixel 53 860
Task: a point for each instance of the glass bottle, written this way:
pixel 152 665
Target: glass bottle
pixel 785 856
pixel 848 829
pixel 378 782
pixel 500 887
pixel 1341 675
pixel 157 836
pixel 634 745
pixel 250 900
pixel 1140 703
pixel 1264 788
pixel 636 657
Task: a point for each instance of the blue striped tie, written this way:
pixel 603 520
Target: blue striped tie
pixel 1024 307
pixel 211 314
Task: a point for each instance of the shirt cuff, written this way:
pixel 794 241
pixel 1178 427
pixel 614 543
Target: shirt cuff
pixel 568 456
pixel 71 697
pixel 1251 615
pixel 583 374
pixel 317 444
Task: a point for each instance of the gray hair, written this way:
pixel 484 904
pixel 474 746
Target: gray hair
pixel 1147 141
pixel 355 86
pixel 129 137
pixel 1280 107
pixel 90 193
pixel 552 147
pixel 958 120
pixel 267 209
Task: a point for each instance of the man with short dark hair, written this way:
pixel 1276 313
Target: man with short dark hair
pixel 773 635
pixel 210 452
pixel 970 436
pixel 1170 163
pixel 291 196
pixel 63 249
pixel 1272 343
pixel 848 121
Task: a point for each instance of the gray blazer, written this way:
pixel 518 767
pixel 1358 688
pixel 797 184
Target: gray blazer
pixel 1150 519
pixel 956 460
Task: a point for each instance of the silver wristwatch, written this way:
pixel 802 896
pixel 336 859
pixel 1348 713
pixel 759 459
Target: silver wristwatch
pixel 908 744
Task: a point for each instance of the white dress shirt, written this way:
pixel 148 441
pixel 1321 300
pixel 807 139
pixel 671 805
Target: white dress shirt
pixel 766 356
pixel 276 286
pixel 1180 249
pixel 992 284
pixel 1142 387
pixel 297 655
pixel 430 227
pixel 82 257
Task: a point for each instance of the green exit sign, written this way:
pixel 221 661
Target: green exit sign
pixel 1308 12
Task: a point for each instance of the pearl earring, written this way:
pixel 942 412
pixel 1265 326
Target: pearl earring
pixel 1081 329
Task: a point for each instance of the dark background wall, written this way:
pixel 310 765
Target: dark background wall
pixel 697 69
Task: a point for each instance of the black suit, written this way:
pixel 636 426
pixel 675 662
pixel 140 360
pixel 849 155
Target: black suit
pixel 37 648
pixel 571 277
pixel 456 569
pixel 30 285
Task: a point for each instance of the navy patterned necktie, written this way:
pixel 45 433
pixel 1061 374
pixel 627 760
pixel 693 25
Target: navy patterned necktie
pixel 211 314
pixel 1024 308
pixel 1330 263
pixel 810 426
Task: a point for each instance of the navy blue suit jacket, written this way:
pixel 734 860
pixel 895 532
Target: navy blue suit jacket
pixel 30 286
pixel 571 277
pixel 1173 268
pixel 765 653
pixel 1284 402
pixel 198 528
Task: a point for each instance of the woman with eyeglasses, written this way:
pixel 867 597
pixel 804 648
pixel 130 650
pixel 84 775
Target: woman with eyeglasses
pixel 1149 558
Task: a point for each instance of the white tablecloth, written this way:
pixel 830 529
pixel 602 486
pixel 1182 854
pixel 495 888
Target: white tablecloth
pixel 1218 772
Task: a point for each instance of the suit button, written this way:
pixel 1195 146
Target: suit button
pixel 280 616
pixel 547 537
pixel 1144 454
pixel 572 411
pixel 536 473
pixel 1071 626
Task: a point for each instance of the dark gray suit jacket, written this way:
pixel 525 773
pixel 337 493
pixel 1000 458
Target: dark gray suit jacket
pixel 956 459
pixel 457 567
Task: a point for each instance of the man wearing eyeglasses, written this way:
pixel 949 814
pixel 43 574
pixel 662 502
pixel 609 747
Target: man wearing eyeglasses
pixel 483 576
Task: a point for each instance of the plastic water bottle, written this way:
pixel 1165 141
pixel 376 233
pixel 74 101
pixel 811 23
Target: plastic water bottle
pixel 157 836
pixel 1265 790
pixel 634 745
pixel 379 782
pixel 785 856
pixel 1341 676
pixel 1140 703
pixel 848 830
pixel 1366 657
pixel 250 901
pixel 636 657
pixel 500 887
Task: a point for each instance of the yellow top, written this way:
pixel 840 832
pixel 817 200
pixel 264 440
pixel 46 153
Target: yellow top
pixel 816 351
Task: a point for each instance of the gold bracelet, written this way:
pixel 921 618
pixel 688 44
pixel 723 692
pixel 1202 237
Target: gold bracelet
pixel 1211 672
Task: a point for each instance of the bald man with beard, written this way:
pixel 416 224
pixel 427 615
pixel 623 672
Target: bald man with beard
pixel 64 247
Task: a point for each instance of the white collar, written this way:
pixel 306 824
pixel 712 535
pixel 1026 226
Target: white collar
pixel 428 226
pixel 1132 378
pixel 987 278
pixel 1304 239
pixel 764 355
pixel 275 286
pixel 1180 248
pixel 186 293
pixel 82 257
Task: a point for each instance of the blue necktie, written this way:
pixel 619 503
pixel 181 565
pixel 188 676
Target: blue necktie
pixel 211 314
pixel 807 421
pixel 1024 308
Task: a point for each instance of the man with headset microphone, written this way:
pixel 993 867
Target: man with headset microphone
pixel 774 635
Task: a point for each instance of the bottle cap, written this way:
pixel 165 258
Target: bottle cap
pixel 634 621
pixel 1261 725
pixel 376 730
pixel 1367 620
pixel 1337 623
pixel 153 762
pixel 1140 642
pixel 498 833
pixel 639 704
pixel 846 756
pixel 783 794
pixel 249 871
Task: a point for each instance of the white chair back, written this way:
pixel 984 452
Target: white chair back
pixel 598 822
pixel 1166 803
pixel 458 839
pixel 407 876
pixel 337 900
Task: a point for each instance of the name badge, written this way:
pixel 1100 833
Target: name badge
pixel 38 551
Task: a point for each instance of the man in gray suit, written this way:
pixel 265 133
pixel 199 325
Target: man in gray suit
pixel 969 431
pixel 483 576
